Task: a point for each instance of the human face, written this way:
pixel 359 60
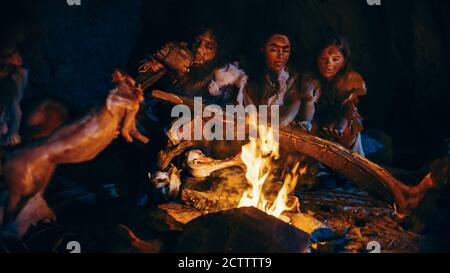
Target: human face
pixel 205 48
pixel 330 62
pixel 277 52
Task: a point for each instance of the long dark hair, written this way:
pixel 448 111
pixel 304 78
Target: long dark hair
pixel 329 39
pixel 255 64
pixel 328 90
pixel 224 41
pixel 199 76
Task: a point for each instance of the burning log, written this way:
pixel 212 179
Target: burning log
pixel 223 191
pixel 243 230
pixel 352 214
pixel 363 173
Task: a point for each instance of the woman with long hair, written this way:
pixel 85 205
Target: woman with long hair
pixel 272 79
pixel 330 95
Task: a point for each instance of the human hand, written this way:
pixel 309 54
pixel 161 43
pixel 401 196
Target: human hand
pixel 304 125
pixel 337 128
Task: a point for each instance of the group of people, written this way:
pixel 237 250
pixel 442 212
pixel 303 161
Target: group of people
pixel 322 101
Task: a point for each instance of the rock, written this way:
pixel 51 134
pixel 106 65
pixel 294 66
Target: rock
pixel 242 230
pixel 305 222
pixel 207 202
pixel 222 191
pixel 181 213
pixel 323 235
pixel 167 218
pixel 326 240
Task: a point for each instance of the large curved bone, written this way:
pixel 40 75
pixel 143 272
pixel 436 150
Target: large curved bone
pixel 364 173
pixel 201 166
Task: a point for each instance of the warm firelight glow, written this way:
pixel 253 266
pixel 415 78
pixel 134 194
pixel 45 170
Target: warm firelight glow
pixel 257 156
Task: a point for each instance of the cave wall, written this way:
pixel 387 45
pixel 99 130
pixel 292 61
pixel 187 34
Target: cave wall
pixel 81 47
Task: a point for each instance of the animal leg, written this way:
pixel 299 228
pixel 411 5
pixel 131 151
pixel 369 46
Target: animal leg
pixel 129 130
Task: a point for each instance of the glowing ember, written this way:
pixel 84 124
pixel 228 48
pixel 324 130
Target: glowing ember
pixel 257 156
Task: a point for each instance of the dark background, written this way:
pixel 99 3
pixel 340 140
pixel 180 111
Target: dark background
pixel 401 48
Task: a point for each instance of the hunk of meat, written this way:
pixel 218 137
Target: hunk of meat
pixel 28 171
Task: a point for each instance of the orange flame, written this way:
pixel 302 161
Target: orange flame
pixel 257 156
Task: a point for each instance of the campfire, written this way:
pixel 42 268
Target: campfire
pixel 258 156
pixel 238 191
